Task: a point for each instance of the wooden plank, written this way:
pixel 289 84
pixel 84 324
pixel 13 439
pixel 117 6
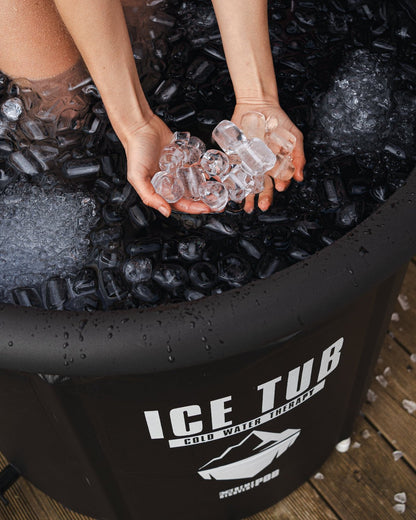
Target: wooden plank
pixel 305 502
pixel 405 328
pixel 395 369
pixel 29 503
pixel 387 412
pixel 361 489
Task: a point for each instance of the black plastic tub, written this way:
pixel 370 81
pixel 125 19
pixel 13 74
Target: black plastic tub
pixel 220 406
pixel 213 409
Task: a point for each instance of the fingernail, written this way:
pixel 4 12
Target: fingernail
pixel 164 210
pixel 264 204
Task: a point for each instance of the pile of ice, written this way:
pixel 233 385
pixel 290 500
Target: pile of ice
pixel 190 171
pixel 354 114
pixel 43 233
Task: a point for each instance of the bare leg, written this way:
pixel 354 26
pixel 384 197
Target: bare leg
pixel 34 42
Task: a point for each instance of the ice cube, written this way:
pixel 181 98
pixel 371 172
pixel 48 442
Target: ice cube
pixel 215 163
pixel 138 270
pixel 343 446
pixel 409 406
pixel 192 178
pixel 228 136
pixel 214 194
pixel 401 498
pixel 253 124
pixel 281 141
pixel 397 455
pixel 256 157
pixel 169 186
pixel 12 109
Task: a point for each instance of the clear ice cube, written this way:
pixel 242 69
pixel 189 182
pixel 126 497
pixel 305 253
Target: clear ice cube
pixel 214 194
pixel 253 124
pixel 169 186
pixel 215 163
pixel 228 136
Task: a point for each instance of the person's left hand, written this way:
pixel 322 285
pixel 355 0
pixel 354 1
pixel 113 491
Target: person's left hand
pixel 298 155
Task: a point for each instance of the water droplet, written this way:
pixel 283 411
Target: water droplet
pixel 110 328
pixel 66 335
pixel 66 364
pixel 65 345
pixel 81 337
pixel 83 356
pixel 82 324
pixel 10 343
pixel 192 324
pixel 169 348
pixel 144 337
pixel 109 335
pixel 204 339
pixel 171 359
pixel 207 347
pixel 363 251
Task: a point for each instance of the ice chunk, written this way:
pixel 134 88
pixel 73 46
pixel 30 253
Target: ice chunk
pixel 365 434
pixel 382 380
pixel 343 446
pixel 281 141
pixel 214 194
pixel 215 163
pixel 409 406
pixel 397 455
pixel 256 157
pixel 399 508
pixel 195 142
pixel 169 186
pixel 192 177
pixel 403 301
pixel 138 270
pixel 228 136
pixel 401 498
pixel 12 109
pixel 253 124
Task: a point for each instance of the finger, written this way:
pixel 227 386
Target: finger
pixel 281 185
pixel 299 160
pixel 266 196
pixel 190 206
pixel 249 204
pixel 149 197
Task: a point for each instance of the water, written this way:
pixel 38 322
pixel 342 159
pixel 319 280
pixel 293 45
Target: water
pixel 44 233
pixel 346 73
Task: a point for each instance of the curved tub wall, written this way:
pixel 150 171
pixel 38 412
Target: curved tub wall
pixel 221 406
pixel 241 320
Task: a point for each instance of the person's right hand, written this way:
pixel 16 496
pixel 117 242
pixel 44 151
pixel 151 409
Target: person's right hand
pixel 143 146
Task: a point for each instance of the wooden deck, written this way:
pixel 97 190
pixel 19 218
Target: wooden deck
pixel 357 485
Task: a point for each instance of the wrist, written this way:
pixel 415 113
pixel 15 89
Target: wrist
pixel 257 98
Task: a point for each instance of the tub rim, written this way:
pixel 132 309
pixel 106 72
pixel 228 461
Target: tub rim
pixel 217 327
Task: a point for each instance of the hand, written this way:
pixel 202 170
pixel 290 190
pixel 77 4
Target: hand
pixel 298 155
pixel 143 146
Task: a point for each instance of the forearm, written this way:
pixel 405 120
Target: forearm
pixel 99 31
pixel 244 30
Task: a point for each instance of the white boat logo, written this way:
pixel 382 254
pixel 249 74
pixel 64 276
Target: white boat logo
pixel 250 456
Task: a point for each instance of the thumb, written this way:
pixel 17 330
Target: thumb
pixel 147 193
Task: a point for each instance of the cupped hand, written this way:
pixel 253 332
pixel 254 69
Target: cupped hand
pixel 298 155
pixel 143 146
